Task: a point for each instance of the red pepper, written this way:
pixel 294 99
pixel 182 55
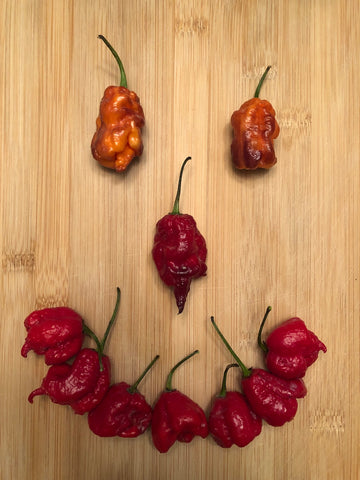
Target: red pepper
pixel 255 129
pixel 272 398
pixel 231 420
pixel 56 333
pixel 176 416
pixel 291 348
pixel 123 412
pixel 117 139
pixel 179 250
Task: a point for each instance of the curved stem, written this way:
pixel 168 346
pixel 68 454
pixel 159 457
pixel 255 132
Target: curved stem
pixel 134 386
pixel 112 320
pixel 168 386
pixel 175 210
pixel 123 81
pixel 87 330
pixel 245 371
pixel 258 88
pixel 261 343
pixel 223 386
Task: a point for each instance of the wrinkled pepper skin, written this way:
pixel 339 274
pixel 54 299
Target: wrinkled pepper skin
pixel 272 398
pixel 291 349
pixel 176 418
pixel 117 139
pixel 56 333
pixel 232 422
pixel 120 413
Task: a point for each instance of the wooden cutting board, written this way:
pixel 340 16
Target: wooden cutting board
pixel 71 231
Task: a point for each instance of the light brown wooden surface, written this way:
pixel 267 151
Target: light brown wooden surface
pixel 71 231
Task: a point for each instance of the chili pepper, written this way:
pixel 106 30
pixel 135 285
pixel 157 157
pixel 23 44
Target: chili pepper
pixel 231 421
pixel 123 412
pixel 272 398
pixel 117 139
pixel 290 348
pixel 82 384
pixel 179 250
pixel 255 129
pixel 56 333
pixel 176 416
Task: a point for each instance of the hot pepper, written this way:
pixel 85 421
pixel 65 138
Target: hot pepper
pixel 290 348
pixel 117 139
pixel 179 250
pixel 56 333
pixel 231 420
pixel 123 412
pixel 272 398
pixel 176 416
pixel 255 128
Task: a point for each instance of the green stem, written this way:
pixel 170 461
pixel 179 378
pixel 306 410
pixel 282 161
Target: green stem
pixel 123 81
pixel 134 386
pixel 168 386
pixel 223 386
pixel 261 343
pixel 87 330
pixel 175 210
pixel 258 88
pixel 245 371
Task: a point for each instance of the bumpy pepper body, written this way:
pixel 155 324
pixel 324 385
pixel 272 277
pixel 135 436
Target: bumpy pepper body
pixel 255 128
pixel 56 333
pixel 179 250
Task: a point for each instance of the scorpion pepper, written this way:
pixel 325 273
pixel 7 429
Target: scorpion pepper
pixel 231 421
pixel 179 250
pixel 56 333
pixel 272 398
pixel 176 416
pixel 117 140
pixel 290 348
pixel 123 412
pixel 255 128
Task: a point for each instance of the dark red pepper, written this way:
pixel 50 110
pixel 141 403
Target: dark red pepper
pixel 123 412
pixel 56 333
pixel 231 420
pixel 272 398
pixel 179 250
pixel 176 416
pixel 290 348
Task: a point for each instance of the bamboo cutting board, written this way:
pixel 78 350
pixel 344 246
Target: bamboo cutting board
pixel 71 232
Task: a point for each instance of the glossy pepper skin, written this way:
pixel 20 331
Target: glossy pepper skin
pixel 179 250
pixel 56 333
pixel 272 398
pixel 117 139
pixel 255 128
pixel 231 421
pixel 123 412
pixel 290 348
pixel 176 417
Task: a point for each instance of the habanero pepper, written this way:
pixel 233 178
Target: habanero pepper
pixel 117 140
pixel 231 420
pixel 123 412
pixel 272 398
pixel 56 333
pixel 176 416
pixel 290 348
pixel 179 250
pixel 255 129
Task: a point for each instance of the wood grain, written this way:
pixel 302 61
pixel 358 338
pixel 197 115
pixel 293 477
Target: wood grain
pixel 71 231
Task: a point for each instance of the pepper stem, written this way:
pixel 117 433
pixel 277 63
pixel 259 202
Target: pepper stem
pixel 134 386
pixel 168 386
pixel 260 342
pixel 175 210
pixel 123 81
pixel 223 386
pixel 245 371
pixel 261 81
